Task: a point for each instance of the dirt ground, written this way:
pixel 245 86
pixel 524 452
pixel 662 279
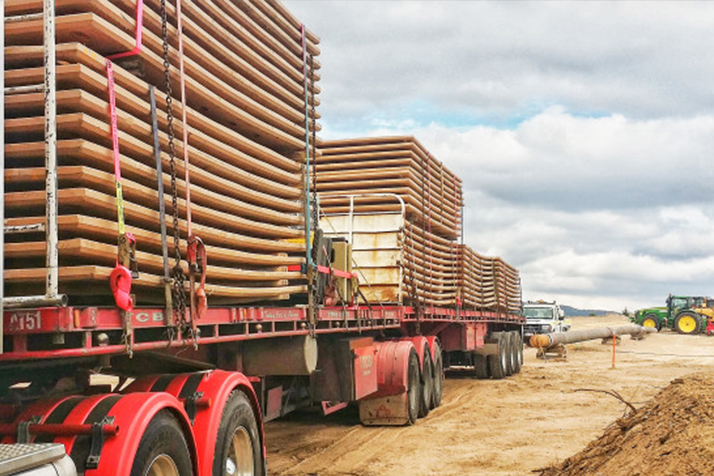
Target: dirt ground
pixel 489 427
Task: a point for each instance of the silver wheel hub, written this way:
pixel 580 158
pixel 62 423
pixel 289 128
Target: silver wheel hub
pixel 240 454
pixel 162 465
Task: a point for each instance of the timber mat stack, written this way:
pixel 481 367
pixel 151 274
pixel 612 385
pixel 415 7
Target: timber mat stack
pixel 245 108
pixel 391 165
pixel 378 168
pixel 436 270
pixel 487 283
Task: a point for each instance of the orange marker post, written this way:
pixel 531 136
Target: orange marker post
pixel 614 343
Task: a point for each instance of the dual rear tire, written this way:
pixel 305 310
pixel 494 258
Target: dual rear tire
pixel 508 359
pixel 163 450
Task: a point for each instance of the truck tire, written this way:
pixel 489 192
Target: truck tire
pixel 517 351
pixel 413 387
pixel 481 366
pixel 238 447
pixel 688 323
pixel 438 377
pixel 510 353
pixel 163 450
pixel 498 364
pixel 427 383
pixel 651 320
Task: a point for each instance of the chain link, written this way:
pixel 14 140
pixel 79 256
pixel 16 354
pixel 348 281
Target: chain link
pixel 179 279
pixel 313 144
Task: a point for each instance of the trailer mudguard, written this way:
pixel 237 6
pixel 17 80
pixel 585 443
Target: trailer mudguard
pixel 130 413
pixel 133 413
pixel 393 367
pixel 390 404
pixel 433 345
pixel 51 410
pixel 419 344
pixel 210 390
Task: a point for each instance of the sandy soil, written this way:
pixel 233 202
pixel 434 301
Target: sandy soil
pixel 489 427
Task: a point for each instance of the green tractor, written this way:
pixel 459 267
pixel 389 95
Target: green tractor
pixel 677 315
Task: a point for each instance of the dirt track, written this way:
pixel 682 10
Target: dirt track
pixel 507 427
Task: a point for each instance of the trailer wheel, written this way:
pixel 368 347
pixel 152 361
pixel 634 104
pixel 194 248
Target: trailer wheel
pixel 438 379
pixel 510 353
pixel 163 450
pixel 427 383
pixel 516 352
pixel 481 366
pixel 414 387
pixel 498 364
pixel 688 323
pixel 238 448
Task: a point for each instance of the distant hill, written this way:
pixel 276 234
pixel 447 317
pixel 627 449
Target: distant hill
pixel 573 311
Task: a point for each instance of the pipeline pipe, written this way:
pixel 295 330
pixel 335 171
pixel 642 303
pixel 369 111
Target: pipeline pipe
pixel 545 341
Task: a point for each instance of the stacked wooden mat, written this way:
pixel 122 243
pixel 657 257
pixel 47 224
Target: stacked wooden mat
pixel 487 283
pixel 390 165
pixel 402 209
pixel 246 119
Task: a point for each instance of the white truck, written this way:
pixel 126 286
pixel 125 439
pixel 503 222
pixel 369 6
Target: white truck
pixel 543 317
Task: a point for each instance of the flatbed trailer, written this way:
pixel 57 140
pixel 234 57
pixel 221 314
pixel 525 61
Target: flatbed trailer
pixel 388 359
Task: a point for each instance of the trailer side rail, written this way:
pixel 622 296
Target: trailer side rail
pixel 68 332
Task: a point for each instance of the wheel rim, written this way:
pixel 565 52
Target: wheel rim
pixel 687 324
pixel 163 465
pixel 649 322
pixel 240 456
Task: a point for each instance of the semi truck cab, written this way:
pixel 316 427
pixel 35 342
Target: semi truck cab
pixel 544 317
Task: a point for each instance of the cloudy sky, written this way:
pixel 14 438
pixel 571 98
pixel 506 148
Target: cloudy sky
pixel 583 131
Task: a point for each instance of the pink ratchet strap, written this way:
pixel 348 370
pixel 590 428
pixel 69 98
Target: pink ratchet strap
pixel 120 278
pixel 196 249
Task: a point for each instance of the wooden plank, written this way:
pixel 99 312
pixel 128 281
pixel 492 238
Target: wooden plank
pixel 287 23
pixel 79 151
pixel 98 229
pixel 88 127
pixel 81 176
pixel 79 100
pixel 84 274
pixel 113 39
pixel 71 152
pixel 85 252
pixel 73 201
pixel 132 95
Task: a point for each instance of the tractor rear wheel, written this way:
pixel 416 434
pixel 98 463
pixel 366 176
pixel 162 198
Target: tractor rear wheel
pixel 651 320
pixel 688 323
